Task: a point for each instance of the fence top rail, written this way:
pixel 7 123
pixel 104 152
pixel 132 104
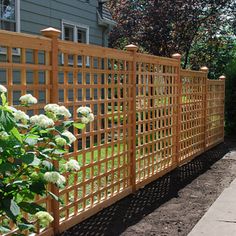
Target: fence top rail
pixel 20 40
pixel 192 73
pixel 215 82
pixel 145 58
pixel 93 50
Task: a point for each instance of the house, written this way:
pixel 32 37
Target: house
pixel 85 21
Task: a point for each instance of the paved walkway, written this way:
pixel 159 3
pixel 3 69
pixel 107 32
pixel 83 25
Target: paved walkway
pixel 220 219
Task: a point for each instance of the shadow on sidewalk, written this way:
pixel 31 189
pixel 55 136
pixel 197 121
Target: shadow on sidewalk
pixel 130 210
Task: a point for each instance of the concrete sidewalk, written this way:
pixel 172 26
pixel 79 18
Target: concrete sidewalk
pixel 220 219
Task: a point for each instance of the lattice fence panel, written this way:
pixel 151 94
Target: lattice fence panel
pixel 156 111
pixel 25 67
pixel 178 115
pixel 99 79
pixel 192 109
pixel 215 112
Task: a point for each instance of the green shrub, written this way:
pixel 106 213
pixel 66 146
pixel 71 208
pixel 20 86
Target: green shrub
pixel 28 148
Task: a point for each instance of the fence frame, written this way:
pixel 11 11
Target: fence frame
pixel 52 44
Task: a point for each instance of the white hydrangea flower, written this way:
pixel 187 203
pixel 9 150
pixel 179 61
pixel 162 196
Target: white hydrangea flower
pixel 3 89
pixel 72 165
pixel 4 135
pixel 28 99
pixel 44 217
pixel 70 136
pixel 61 181
pixel 20 116
pixel 84 110
pixel 63 111
pixel 34 119
pixel 60 141
pixel 55 178
pixel 57 110
pixel 51 108
pixel 86 114
pixel 41 121
pixel 51 177
pixel 84 120
pixel 91 117
pixel 45 122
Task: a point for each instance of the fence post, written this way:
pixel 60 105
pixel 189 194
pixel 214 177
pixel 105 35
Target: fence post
pixel 205 69
pixel 178 108
pixel 54 98
pixel 223 78
pixel 133 49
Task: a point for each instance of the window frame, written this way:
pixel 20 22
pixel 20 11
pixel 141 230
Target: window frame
pixel 15 52
pixel 75 27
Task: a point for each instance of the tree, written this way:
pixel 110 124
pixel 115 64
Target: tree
pixel 163 27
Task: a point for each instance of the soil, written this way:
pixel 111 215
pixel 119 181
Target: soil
pixel 173 204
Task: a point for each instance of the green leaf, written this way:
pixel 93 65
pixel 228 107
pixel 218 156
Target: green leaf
pixel 4 99
pixel 28 195
pixel 43 131
pixel 7 120
pixel 31 159
pixel 20 182
pixel 11 208
pixel 4 229
pixel 59 128
pixel 47 150
pixel 79 125
pixel 23 226
pixel 31 207
pixel 22 126
pixel 31 141
pixel 59 151
pixel 14 208
pixel 16 134
pixel 28 158
pixel 42 155
pixel 36 162
pixel 48 165
pixel 55 197
pixel 6 167
pixel 38 187
pixel 32 136
pixel 68 123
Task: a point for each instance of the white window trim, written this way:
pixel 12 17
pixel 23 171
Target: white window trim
pixel 76 26
pixel 16 52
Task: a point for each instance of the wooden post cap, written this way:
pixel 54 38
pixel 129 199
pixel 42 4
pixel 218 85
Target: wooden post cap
pixel 131 47
pixel 222 77
pixel 176 56
pixel 204 69
pixel 51 32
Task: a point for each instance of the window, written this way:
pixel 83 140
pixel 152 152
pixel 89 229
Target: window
pixel 75 32
pixel 10 15
pixel 81 36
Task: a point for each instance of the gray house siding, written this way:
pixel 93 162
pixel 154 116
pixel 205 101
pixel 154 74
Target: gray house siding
pixel 37 15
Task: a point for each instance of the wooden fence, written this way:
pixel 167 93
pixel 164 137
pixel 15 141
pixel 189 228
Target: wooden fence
pixel 150 115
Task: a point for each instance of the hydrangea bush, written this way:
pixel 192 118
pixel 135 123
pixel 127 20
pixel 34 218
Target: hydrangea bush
pixel 28 147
